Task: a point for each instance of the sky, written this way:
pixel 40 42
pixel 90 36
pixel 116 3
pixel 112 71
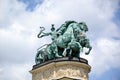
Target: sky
pixel 19 25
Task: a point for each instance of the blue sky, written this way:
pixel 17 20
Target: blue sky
pixel 31 4
pixel 19 25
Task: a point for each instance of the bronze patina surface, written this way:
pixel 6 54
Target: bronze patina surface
pixel 67 41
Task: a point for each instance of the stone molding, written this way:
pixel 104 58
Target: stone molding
pixel 57 70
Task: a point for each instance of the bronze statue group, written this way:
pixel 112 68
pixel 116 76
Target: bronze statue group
pixel 67 41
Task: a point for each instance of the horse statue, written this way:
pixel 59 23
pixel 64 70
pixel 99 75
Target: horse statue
pixel 45 52
pixel 66 41
pixel 76 46
pixel 41 56
pixel 82 39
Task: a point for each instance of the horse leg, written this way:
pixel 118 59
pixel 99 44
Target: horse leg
pixel 80 50
pixel 90 48
pixel 70 54
pixel 64 52
pixel 55 51
pixel 49 52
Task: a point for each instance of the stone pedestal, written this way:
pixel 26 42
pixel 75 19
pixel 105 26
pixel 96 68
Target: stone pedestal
pixel 61 69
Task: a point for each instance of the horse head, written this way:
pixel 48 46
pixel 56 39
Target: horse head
pixel 83 26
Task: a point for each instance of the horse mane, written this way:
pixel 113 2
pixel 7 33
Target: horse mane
pixel 66 24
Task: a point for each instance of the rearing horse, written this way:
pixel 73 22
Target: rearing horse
pixel 68 39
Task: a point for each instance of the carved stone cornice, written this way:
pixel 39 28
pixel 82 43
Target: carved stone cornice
pixel 59 69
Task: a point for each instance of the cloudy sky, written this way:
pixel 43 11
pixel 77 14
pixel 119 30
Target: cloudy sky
pixel 20 21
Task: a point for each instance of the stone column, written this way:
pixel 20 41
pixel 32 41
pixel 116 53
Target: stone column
pixel 61 69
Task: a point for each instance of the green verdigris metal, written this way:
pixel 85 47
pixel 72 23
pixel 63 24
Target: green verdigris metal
pixel 67 41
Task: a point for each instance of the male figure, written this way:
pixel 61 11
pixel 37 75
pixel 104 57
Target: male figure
pixel 54 36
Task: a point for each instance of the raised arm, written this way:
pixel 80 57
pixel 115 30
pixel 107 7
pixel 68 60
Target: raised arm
pixel 42 34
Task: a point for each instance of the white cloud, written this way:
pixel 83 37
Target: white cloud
pixel 105 55
pixel 16 72
pixel 14 45
pixel 9 10
pixel 19 40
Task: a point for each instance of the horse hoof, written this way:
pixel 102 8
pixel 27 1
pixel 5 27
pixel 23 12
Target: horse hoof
pixel 58 56
pixel 86 53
